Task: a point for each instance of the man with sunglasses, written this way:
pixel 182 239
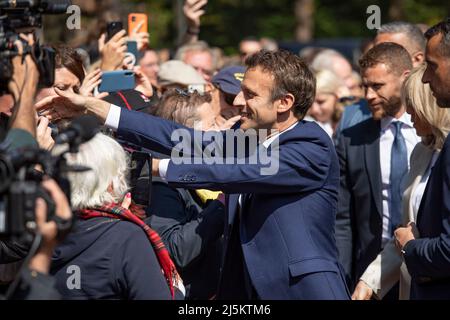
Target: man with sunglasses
pixel 227 85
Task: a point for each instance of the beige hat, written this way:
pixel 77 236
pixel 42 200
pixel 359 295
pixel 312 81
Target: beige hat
pixel 178 72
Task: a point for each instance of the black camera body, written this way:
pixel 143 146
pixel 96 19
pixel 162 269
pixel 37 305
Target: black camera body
pixel 20 187
pixel 18 16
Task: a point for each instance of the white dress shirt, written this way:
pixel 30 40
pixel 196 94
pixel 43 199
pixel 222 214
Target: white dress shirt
pixel 386 140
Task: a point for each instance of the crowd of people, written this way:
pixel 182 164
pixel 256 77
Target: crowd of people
pixel 357 207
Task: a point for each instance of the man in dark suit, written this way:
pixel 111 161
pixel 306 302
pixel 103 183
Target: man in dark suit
pixel 280 231
pixel 374 157
pixel 428 258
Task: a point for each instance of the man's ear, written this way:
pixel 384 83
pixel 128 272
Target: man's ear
pixel 285 103
pixel 419 57
pixel 405 75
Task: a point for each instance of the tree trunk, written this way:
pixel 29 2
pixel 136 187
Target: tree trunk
pixel 304 13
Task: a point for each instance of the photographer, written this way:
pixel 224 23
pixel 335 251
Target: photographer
pixel 23 86
pixel 33 282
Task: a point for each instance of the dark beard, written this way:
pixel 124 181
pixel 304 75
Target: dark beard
pixel 443 103
pixel 393 106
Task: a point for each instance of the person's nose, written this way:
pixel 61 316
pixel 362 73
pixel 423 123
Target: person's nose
pixel 239 100
pixel 370 94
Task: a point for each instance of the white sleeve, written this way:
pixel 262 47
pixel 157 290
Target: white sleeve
pixel 113 118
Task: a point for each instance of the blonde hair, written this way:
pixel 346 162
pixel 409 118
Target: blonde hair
pixel 327 82
pixel 109 167
pixel 418 96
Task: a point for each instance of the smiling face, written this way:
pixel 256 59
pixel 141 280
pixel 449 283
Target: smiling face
pixel 437 73
pixel 257 109
pixel 382 91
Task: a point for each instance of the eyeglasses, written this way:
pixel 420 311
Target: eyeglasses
pixel 182 92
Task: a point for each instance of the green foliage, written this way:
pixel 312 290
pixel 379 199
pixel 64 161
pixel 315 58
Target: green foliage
pixel 228 21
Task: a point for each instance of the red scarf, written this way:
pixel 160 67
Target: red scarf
pixel 115 211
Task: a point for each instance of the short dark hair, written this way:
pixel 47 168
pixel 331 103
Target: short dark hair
pixel 291 75
pixel 68 57
pixel 443 28
pixel 393 55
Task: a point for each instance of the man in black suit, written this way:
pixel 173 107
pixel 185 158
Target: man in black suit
pixel 374 157
pixel 428 257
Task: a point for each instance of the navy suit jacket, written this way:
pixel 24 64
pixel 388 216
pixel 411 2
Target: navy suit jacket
pixel 428 258
pixel 287 231
pixel 359 221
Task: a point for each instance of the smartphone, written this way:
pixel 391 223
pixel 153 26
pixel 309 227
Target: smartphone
pixel 112 28
pixel 118 80
pixel 134 19
pixel 132 49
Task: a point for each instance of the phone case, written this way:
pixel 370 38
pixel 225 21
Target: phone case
pixel 134 19
pixel 112 28
pixel 119 80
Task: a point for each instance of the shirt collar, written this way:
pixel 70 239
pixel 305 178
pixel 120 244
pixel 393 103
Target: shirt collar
pixel 405 119
pixel 272 138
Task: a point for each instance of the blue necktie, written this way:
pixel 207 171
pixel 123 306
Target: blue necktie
pixel 399 168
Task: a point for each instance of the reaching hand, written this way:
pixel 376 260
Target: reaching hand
pixel 44 134
pixel 113 51
pixel 143 84
pixel 193 11
pixel 24 71
pixel 90 82
pixel 68 105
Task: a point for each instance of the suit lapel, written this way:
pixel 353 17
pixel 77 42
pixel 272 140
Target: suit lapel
pixel 372 159
pixel 233 202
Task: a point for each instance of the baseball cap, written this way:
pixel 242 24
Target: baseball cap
pixel 229 79
pixel 178 72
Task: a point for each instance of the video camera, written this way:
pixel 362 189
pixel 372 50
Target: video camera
pixel 25 16
pixel 20 182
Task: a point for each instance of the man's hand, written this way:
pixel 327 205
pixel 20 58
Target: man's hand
pixel 142 38
pixel 193 11
pixel 44 134
pixel 90 82
pixel 143 84
pixel 68 105
pixel 223 124
pixel 25 71
pixel 113 52
pixel 362 291
pixel 48 229
pixel 403 235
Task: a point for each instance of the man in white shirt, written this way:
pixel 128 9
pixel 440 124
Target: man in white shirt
pixel 374 158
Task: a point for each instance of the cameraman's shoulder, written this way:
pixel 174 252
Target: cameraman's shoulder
pixel 18 138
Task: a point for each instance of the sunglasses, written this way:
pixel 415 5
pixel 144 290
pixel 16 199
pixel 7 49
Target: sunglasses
pixel 229 98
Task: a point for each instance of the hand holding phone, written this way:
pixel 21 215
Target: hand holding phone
pixel 137 23
pixel 112 28
pixel 119 80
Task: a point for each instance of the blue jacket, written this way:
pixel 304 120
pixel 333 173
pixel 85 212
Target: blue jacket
pixel 428 258
pixel 113 259
pixel 287 233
